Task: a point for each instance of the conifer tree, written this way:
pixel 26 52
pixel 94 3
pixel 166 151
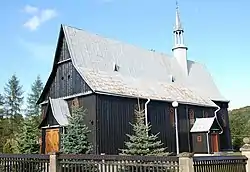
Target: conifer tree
pixel 1 105
pixel 11 146
pixel 28 139
pixel 141 143
pixel 33 109
pixel 29 136
pixel 4 132
pixel 75 139
pixel 13 97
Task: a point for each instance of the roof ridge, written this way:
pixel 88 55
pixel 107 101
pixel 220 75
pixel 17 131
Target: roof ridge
pixel 119 41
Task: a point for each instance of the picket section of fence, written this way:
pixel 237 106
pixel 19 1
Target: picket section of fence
pixel 220 164
pixel 117 163
pixel 24 163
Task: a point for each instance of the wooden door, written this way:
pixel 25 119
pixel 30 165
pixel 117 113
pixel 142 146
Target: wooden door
pixel 52 140
pixel 215 142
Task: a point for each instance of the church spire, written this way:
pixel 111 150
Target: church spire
pixel 179 49
pixel 178 26
pixel 178 30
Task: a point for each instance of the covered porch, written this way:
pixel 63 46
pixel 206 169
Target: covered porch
pixel 52 125
pixel 205 135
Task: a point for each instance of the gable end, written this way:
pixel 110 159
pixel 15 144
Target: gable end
pixel 64 79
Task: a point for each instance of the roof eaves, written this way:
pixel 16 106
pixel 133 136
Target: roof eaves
pixel 71 96
pixel 128 96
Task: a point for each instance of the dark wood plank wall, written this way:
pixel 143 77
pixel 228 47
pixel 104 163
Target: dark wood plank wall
pixel 115 113
pixel 49 118
pixel 64 51
pixel 113 117
pixel 65 80
pixel 89 104
pixel 158 116
pixel 200 142
pixel 198 112
pixel 183 129
pixel 225 138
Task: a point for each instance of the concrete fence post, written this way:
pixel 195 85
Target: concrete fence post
pixel 245 150
pixel 186 162
pixel 53 163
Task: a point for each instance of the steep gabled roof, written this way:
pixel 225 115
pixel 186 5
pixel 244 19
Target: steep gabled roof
pixel 141 73
pixel 112 67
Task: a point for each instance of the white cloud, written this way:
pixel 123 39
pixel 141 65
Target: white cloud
pixel 48 14
pixel 30 9
pixel 32 23
pixel 39 16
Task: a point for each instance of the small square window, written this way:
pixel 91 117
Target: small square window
pixel 199 138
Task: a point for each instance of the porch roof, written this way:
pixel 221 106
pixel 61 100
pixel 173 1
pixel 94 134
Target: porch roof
pixel 60 110
pixel 202 124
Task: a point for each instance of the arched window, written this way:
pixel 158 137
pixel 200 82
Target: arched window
pixel 191 116
pixel 171 114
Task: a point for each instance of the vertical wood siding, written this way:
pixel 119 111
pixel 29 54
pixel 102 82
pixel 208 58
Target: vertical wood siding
pixel 200 147
pixel 225 138
pixel 89 104
pixel 115 113
pixel 49 118
pixel 64 55
pixel 158 115
pixel 199 112
pixel 183 128
pixel 108 119
pixel 64 80
pixel 113 117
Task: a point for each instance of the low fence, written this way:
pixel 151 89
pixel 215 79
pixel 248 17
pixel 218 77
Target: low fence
pixel 116 163
pixel 24 163
pixel 220 164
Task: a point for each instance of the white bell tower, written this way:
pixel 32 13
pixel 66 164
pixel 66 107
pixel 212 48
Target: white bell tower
pixel 179 49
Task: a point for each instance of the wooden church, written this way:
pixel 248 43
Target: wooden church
pixel 106 77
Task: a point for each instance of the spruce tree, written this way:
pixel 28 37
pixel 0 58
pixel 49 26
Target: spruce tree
pixel 1 106
pixel 30 133
pixel 36 89
pixel 75 139
pixel 13 97
pixel 28 140
pixel 141 143
pixel 4 132
pixel 11 146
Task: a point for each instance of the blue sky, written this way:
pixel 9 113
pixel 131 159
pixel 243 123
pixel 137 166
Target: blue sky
pixel 216 33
